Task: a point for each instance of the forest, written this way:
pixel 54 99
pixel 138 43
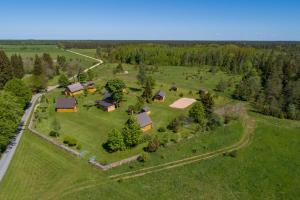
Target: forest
pixel 271 76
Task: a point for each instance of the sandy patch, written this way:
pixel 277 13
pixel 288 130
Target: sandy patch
pixel 183 103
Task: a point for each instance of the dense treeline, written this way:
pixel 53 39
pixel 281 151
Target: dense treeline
pixel 271 78
pixel 14 96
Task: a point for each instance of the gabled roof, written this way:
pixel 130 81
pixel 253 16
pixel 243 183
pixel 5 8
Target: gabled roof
pixel 65 103
pixel 160 93
pixel 75 87
pixel 143 119
pixel 88 84
pixel 103 103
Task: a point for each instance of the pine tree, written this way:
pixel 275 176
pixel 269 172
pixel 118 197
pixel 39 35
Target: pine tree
pixel 38 67
pixel 17 66
pixel 5 69
pixel 131 132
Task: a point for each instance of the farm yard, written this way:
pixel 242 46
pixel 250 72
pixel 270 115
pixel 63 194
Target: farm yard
pixel 90 125
pixel 235 159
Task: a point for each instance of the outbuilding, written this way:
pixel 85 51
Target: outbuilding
pixel 74 89
pixel 146 109
pixel 159 96
pixel 66 105
pixel 90 86
pixel 173 88
pixel 106 106
pixel 144 121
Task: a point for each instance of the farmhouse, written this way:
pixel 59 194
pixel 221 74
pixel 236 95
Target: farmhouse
pixel 173 88
pixel 74 89
pixel 146 109
pixel 90 86
pixel 108 107
pixel 144 121
pixel 66 105
pixel 159 96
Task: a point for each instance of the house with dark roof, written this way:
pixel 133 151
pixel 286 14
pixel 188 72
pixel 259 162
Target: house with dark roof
pixel 144 122
pixel 173 88
pixel 74 89
pixel 159 96
pixel 106 106
pixel 89 86
pixel 66 105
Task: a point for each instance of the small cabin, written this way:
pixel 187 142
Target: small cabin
pixel 90 86
pixel 108 107
pixel 173 88
pixel 74 89
pixel 144 122
pixel 146 109
pixel 160 96
pixel 202 91
pixel 66 105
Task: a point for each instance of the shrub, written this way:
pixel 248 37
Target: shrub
pixel 181 94
pixel 115 141
pixel 70 141
pixel 143 157
pixel 175 125
pixel 161 129
pixel 54 134
pixel 197 112
pixel 214 121
pixel 221 86
pixel 79 147
pixel 153 145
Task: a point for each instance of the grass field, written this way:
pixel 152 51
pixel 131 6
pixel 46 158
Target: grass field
pixel 91 126
pixel 267 169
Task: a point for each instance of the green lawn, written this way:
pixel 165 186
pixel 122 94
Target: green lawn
pixel 91 126
pixel 266 169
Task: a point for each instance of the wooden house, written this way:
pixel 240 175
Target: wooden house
pixel 90 86
pixel 74 89
pixel 160 96
pixel 66 105
pixel 106 106
pixel 144 121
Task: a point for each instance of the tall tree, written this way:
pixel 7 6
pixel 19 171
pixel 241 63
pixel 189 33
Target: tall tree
pixel 19 89
pixel 17 66
pixel 5 69
pixel 131 132
pixel 116 87
pixel 115 141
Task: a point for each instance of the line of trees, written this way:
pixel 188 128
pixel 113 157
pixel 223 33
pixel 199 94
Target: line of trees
pixel 271 77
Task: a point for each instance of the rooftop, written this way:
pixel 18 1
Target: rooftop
pixel 143 119
pixel 161 93
pixel 103 103
pixel 65 103
pixel 75 87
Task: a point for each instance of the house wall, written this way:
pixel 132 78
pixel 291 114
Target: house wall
pixel 91 90
pixel 68 93
pixel 67 110
pixel 111 108
pixel 159 99
pixel 147 128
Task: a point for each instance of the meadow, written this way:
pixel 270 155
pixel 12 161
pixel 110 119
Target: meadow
pixel 266 169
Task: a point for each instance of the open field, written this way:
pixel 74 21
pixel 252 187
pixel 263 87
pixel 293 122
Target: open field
pixel 266 169
pixel 90 126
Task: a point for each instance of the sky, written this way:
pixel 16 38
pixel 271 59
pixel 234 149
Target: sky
pixel 151 19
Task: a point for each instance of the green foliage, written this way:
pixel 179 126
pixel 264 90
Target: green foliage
pixel 153 145
pixel 90 75
pixel 119 69
pixel 143 157
pixel 176 124
pixel 56 125
pixel 5 69
pixel 148 89
pixel 115 87
pixel 161 129
pixel 63 80
pixel 10 115
pixel 208 102
pixel 197 112
pixel 82 77
pixel 115 141
pixel 214 121
pixel 54 134
pixel 62 62
pixel 221 86
pixel 19 89
pixel 70 141
pixel 17 66
pixel 131 133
